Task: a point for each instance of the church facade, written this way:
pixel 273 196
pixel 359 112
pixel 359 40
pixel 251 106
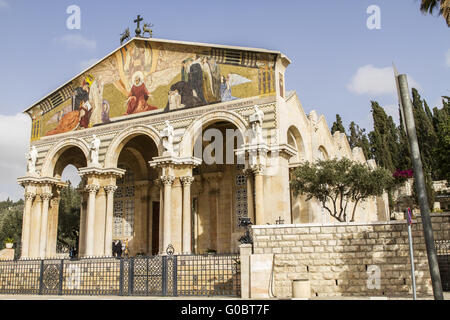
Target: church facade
pixel 175 142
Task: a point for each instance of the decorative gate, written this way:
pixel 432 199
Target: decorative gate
pixel 50 280
pixel 443 255
pixel 160 275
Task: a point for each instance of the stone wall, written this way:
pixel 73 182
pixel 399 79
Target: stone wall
pixel 338 259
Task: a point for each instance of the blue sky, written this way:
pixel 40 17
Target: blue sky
pixel 338 64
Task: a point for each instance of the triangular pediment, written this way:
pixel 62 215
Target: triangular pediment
pixel 153 75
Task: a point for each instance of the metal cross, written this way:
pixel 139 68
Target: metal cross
pixel 138 21
pixel 279 221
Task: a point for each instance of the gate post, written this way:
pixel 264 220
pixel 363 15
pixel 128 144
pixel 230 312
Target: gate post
pixel 41 278
pixel 130 276
pixel 175 275
pixel 121 278
pixel 164 275
pixel 61 278
pixel 246 251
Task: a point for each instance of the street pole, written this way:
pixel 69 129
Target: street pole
pixel 408 115
pixel 411 252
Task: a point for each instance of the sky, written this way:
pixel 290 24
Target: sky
pixel 338 64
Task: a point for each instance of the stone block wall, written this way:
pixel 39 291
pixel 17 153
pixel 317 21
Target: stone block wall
pixel 342 259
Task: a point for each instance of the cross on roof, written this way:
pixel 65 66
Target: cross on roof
pixel 138 22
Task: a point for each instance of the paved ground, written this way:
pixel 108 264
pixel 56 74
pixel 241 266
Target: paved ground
pixel 26 297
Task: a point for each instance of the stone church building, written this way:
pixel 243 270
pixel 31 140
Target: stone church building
pixel 137 126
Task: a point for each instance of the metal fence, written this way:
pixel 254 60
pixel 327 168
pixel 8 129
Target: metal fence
pixel 161 275
pixel 443 255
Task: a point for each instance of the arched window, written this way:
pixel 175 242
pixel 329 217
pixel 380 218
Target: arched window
pixel 124 206
pixel 323 154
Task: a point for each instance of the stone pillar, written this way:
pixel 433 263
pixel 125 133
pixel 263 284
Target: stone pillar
pixel 149 240
pixel 90 219
pixel 187 218
pixel 245 252
pixel 159 184
pixel 53 227
pixel 44 224
pixel 250 199
pixel 83 216
pixel 109 219
pixel 167 182
pixel 26 224
pixel 100 223
pixel 259 194
pixel 35 230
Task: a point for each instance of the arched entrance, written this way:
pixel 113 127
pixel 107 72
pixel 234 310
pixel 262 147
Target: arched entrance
pixel 219 193
pixel 64 220
pixel 136 199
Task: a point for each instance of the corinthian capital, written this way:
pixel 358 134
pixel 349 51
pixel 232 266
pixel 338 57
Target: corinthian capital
pixel 46 196
pixel 30 195
pixel 92 188
pixel 167 180
pixel 258 169
pixel 110 189
pixel 187 181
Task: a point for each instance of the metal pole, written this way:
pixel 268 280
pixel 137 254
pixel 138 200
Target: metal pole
pixel 420 187
pixel 411 254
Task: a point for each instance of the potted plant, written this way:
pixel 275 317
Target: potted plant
pixel 9 242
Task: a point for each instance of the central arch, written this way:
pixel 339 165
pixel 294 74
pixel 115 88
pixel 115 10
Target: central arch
pixel 219 194
pixel 136 200
pixel 119 141
pixel 195 129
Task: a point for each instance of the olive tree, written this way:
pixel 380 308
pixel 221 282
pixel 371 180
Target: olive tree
pixel 336 183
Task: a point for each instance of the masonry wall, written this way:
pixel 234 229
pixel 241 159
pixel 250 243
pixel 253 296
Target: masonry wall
pixel 337 258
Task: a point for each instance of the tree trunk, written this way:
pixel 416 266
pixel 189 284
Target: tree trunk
pixel 354 210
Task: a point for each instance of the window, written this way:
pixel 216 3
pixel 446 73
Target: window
pixel 241 195
pixel 124 207
pixel 36 129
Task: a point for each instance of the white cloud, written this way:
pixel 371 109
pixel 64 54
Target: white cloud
pixel 14 143
pixel 4 4
pixel 76 41
pixel 87 63
pixel 447 58
pixel 375 81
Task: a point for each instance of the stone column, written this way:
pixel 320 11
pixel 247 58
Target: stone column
pixel 90 219
pixel 35 228
pixel 187 222
pixel 159 184
pixel 245 253
pixel 83 214
pixel 26 224
pixel 44 224
pixel 250 199
pixel 259 194
pixel 109 219
pixel 100 223
pixel 167 182
pixel 53 227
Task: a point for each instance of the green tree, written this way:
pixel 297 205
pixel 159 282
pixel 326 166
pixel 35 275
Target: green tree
pixel 69 217
pixel 337 125
pixel 335 183
pixel 384 138
pixel 426 135
pixel 358 138
pixel 441 121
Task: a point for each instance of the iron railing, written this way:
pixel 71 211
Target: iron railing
pixel 443 255
pixel 160 275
